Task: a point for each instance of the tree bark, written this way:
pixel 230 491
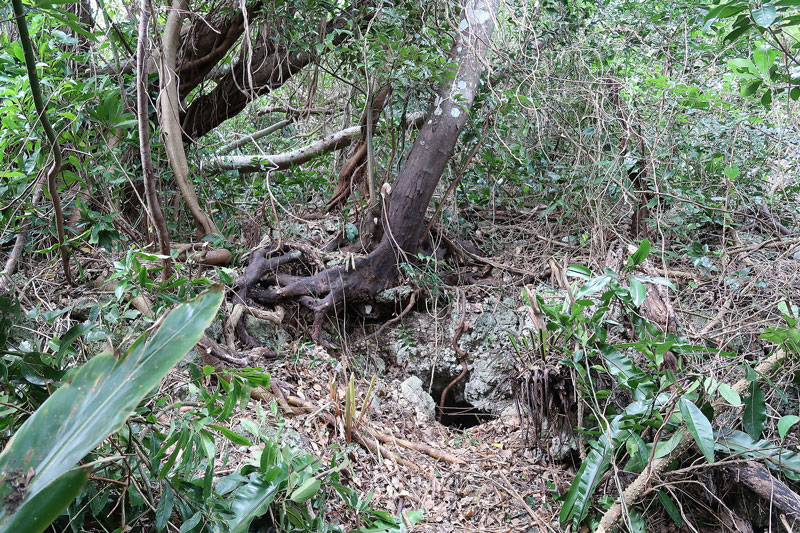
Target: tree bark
pixel 407 202
pixel 271 162
pixel 758 478
pixel 417 181
pixel 272 64
pixel 142 111
pixel 170 123
pixel 52 139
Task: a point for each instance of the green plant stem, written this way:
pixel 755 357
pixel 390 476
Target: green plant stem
pixel 55 148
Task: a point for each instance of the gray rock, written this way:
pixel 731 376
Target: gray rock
pixel 267 333
pixel 424 347
pixel 411 390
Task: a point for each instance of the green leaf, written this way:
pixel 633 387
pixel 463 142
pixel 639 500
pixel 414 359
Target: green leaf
pixel 750 88
pixel 744 68
pixel 670 507
pixel 765 15
pixel 763 59
pixel 253 499
pixel 699 427
pixel 730 395
pixel 741 444
pixel 755 411
pixel 785 424
pixel 737 32
pixel 638 292
pixel 102 394
pixel 732 172
pixel 165 505
pixel 40 511
pixel 579 497
pixel 306 491
pixel 641 254
pixel 665 447
pixel 230 435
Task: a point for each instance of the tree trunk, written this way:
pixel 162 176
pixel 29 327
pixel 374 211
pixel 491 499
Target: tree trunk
pixel 414 187
pixel 409 198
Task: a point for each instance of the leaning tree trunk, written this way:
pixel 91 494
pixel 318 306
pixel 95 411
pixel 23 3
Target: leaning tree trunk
pixel 414 187
pixel 407 201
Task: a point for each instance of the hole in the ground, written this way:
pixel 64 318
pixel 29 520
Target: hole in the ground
pixel 459 414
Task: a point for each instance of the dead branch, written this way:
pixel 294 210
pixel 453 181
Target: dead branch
pixel 758 478
pixel 254 136
pixel 254 163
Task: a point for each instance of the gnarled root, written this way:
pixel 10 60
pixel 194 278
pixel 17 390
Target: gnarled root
pixel 357 281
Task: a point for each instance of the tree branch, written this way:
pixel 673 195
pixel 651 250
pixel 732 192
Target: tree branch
pixel 142 108
pixel 55 148
pixel 170 122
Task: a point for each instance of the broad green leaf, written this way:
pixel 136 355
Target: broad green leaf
pixel 306 491
pixel 737 32
pixel 699 427
pixel 785 424
pixel 102 394
pixel 665 447
pixel 730 395
pixel 579 271
pixel 579 497
pixel 750 88
pixel 640 254
pixel 755 411
pixel 164 510
pixel 732 172
pixel 765 15
pixel 253 499
pixel 638 292
pixel 743 445
pixel 40 511
pixel 763 58
pixel 744 68
pixel 726 10
pixel 621 366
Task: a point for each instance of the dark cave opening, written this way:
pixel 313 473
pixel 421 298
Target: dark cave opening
pixel 459 413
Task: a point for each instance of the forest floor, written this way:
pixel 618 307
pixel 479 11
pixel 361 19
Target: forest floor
pixel 488 477
pixel 492 477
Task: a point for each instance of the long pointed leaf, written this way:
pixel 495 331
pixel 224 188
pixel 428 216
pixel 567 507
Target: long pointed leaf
pixel 103 393
pixel 579 498
pixel 253 499
pixel 699 427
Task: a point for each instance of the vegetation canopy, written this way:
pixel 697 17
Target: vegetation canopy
pixel 383 265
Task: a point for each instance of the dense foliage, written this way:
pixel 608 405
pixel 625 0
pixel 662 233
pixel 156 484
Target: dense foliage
pixel 671 127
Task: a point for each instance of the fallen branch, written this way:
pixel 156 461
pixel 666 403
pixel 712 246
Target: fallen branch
pixel 635 490
pixel 293 402
pixel 758 478
pixel 255 163
pixel 254 136
pixel 357 437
